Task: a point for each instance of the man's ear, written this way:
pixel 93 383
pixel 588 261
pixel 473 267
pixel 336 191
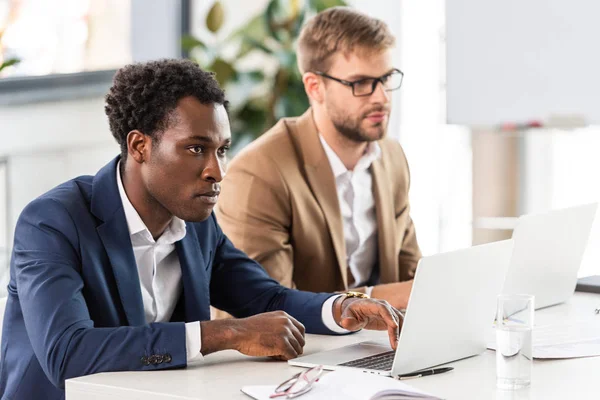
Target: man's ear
pixel 313 86
pixel 138 146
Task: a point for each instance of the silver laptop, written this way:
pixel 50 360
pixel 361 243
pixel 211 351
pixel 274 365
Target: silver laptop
pixel 548 250
pixel 450 310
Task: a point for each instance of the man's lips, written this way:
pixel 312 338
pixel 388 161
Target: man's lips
pixel 209 197
pixel 212 193
pixel 376 116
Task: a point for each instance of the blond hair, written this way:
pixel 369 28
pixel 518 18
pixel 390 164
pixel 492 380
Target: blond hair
pixel 339 29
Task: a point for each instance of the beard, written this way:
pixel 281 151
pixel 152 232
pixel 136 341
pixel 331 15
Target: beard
pixel 351 128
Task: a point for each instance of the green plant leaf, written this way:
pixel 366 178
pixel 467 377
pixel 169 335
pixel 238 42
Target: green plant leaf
pixel 253 77
pixel 215 17
pixel 287 59
pixel 8 63
pixel 256 45
pixel 290 106
pixel 245 86
pixel 271 20
pixel 298 22
pixel 189 43
pixel 255 28
pixel 284 19
pixel 320 5
pixel 224 71
pixel 251 119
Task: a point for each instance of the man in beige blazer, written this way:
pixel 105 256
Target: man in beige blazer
pixel 321 201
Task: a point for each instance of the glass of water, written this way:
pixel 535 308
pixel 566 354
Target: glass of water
pixel 514 325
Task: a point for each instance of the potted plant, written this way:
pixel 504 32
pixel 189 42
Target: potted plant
pixel 256 64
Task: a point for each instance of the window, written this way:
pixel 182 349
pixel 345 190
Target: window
pixel 57 37
pixel 71 48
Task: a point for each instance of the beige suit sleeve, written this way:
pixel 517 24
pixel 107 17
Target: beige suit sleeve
pixel 410 253
pixel 254 212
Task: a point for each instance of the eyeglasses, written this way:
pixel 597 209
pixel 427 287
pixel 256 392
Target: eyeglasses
pixel 298 384
pixel 366 86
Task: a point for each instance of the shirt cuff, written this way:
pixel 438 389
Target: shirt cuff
pixel 193 341
pixel 369 290
pixel 327 316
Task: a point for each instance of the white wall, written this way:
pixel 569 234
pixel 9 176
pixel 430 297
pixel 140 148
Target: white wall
pixel 562 169
pixel 48 143
pixel 47 126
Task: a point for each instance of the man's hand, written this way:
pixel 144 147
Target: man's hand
pixel 275 334
pixel 355 313
pixel 396 294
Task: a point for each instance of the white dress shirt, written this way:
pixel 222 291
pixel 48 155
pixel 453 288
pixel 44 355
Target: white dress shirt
pixel 159 270
pixel 160 274
pixel 357 207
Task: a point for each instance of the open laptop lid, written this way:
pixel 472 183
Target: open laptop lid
pixel 450 310
pixel 548 249
pixel 451 306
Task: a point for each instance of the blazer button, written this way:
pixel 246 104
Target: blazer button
pixel 167 358
pixel 152 359
pixel 145 360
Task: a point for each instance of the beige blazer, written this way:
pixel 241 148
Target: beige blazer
pixel 279 204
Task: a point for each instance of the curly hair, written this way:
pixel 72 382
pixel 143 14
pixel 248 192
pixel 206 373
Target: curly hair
pixel 144 95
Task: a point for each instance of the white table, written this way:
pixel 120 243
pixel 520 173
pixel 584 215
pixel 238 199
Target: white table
pixel 221 375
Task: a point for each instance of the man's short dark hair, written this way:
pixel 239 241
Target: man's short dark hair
pixel 144 95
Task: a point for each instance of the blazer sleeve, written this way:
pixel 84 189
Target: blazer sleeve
pixel 255 213
pixel 241 287
pixel 410 253
pixel 47 270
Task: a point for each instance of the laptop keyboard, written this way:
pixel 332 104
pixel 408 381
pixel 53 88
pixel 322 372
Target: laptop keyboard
pixel 380 362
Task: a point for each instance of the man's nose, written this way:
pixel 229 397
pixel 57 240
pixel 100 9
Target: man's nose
pixel 214 170
pixel 380 94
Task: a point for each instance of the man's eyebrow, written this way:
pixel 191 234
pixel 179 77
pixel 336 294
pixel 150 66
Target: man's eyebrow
pixel 207 139
pixel 357 77
pixel 200 138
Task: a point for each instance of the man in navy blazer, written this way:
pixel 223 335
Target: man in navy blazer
pixel 116 272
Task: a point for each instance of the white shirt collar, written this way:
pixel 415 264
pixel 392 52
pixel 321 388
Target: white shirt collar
pixel 372 153
pixel 174 232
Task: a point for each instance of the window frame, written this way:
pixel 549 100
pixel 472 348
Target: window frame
pixel 57 87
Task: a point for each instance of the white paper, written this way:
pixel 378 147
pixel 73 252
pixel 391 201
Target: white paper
pixel 573 339
pixel 349 385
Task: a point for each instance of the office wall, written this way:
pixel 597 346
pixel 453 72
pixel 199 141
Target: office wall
pixel 45 144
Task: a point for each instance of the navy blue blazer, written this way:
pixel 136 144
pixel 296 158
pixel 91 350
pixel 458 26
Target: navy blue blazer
pixel 74 300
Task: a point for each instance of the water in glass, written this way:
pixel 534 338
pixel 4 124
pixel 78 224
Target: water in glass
pixel 513 356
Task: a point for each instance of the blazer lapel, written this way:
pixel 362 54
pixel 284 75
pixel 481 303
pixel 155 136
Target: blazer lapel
pixel 385 223
pixel 196 290
pixel 115 237
pixel 321 180
pixel 107 206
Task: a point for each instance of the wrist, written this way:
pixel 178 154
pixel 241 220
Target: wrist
pixel 339 305
pixel 360 289
pixel 218 335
